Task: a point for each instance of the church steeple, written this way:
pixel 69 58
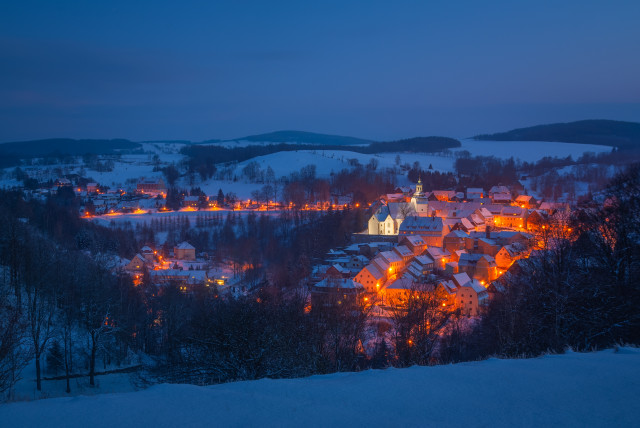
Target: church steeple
pixel 419 186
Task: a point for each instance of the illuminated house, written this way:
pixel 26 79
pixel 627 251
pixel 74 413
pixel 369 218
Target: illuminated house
pixel 471 296
pixel 184 251
pixel 423 263
pixel 444 195
pixel 336 291
pixel 474 193
pixel 480 266
pixel 152 186
pixel 497 190
pixel 191 201
pixel 415 243
pixel 511 217
pixel 397 292
pixel 509 254
pixel 405 253
pixel 62 182
pixel 357 262
pixel 389 260
pixel 455 240
pixel 501 198
pixel 448 290
pixel 137 264
pixel 439 256
pixel 526 201
pixel 370 277
pixel 431 229
pixel 147 253
pixel 337 271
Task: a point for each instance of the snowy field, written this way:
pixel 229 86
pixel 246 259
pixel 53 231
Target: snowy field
pixel 333 161
pixel 130 168
pixel 571 390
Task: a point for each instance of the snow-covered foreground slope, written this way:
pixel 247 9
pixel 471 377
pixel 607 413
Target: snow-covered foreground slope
pixel 597 389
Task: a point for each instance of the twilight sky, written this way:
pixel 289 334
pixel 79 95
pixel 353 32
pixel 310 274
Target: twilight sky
pixel 197 70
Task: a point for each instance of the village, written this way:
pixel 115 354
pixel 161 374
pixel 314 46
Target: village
pixel 453 245
pixel 150 195
pixel 450 244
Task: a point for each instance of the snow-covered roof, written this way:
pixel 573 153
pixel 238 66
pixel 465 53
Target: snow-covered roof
pixel 504 196
pixel 449 286
pixel 422 224
pixel 339 283
pixel 466 223
pixel 437 252
pixel 415 240
pixel 524 198
pixel 401 284
pixel 469 259
pixel 382 213
pixel 403 251
pixel 360 258
pixel 499 189
pixel 457 234
pixel 474 190
pixel 477 287
pixel 185 246
pixel 390 256
pixel 381 264
pixel 374 271
pixel 423 259
pixel 461 279
pixel 487 241
pixel 341 269
pixel 513 211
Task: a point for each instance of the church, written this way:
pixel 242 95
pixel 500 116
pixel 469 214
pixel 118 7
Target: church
pixel 388 218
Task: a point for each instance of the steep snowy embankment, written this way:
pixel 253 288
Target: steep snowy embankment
pixel 597 389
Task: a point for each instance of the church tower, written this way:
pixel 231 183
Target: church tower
pixel 419 187
pixel 418 200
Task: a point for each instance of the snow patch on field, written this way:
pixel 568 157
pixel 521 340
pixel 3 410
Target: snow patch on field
pixel 595 389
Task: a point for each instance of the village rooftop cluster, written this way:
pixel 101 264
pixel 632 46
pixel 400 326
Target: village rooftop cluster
pixel 453 244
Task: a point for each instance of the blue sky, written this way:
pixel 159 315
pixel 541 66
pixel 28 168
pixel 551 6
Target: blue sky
pixel 374 69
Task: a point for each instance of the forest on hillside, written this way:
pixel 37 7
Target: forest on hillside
pixel 623 135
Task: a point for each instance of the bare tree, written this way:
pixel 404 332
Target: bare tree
pixel 96 301
pixel 13 356
pixel 418 322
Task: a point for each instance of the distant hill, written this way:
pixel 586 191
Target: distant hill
pixel 305 138
pixel 199 153
pixel 64 146
pixel 623 135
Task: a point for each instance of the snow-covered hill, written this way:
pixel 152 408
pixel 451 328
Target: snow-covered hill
pixel 596 389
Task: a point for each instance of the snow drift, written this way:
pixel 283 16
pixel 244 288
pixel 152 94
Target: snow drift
pixel 596 389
